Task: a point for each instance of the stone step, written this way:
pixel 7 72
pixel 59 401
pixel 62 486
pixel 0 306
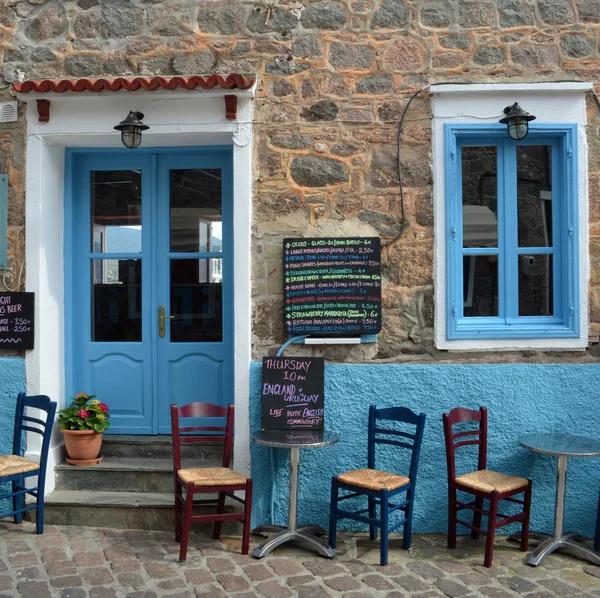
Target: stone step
pixel 124 474
pixel 123 510
pixel 156 447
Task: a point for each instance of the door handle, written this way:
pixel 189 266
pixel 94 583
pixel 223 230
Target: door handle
pixel 161 321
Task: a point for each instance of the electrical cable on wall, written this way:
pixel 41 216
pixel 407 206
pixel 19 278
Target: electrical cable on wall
pixel 10 272
pixel 402 116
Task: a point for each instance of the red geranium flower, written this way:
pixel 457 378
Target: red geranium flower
pixel 83 413
pixel 103 407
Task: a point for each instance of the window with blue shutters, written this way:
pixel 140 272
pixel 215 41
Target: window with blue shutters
pixel 512 239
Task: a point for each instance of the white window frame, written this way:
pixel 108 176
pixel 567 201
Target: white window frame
pixel 483 103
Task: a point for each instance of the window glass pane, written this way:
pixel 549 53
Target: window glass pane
pixel 197 300
pixel 196 215
pixel 535 285
pixel 480 285
pixel 534 195
pixel 479 196
pixel 116 211
pixel 116 300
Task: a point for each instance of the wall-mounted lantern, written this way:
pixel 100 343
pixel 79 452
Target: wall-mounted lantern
pixel 517 121
pixel 131 129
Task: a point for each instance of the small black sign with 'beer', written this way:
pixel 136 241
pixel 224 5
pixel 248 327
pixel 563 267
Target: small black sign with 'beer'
pixel 16 320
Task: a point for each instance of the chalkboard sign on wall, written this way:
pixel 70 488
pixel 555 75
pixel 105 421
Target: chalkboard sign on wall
pixel 16 320
pixel 332 286
pixel 292 393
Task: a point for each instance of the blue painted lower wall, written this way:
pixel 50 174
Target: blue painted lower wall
pixel 12 382
pixel 520 399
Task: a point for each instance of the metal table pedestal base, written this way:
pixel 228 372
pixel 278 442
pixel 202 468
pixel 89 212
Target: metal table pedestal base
pixel 548 544
pixel 304 533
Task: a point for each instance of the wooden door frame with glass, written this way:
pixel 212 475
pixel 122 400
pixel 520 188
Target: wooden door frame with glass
pixel 130 363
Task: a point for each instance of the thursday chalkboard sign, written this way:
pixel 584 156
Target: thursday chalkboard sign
pixel 332 286
pixel 292 393
pixel 16 320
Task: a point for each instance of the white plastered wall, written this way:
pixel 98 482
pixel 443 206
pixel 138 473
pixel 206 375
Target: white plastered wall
pixel 484 103
pixel 186 118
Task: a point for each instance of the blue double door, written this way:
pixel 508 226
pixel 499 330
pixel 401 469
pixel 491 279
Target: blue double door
pixel 151 282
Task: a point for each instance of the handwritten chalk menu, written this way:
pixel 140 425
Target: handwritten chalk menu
pixel 16 320
pixel 292 393
pixel 332 287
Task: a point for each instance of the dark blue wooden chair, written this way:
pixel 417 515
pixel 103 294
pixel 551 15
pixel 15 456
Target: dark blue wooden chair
pixel 381 487
pixel 597 536
pixel 15 468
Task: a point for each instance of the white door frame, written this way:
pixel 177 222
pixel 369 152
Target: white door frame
pixel 86 120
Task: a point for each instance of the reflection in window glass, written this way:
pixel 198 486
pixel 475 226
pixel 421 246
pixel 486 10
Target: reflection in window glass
pixel 479 196
pixel 195 210
pixel 480 285
pixel 535 285
pixel 116 211
pixel 197 300
pixel 534 195
pixel 116 300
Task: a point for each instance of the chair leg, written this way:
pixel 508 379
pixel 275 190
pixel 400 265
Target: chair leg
pixel 452 518
pixel 18 500
pixel 39 512
pixel 407 537
pixel 477 517
pixel 178 501
pixel 247 518
pixel 597 537
pixel 187 521
pixel 383 545
pixel 372 528
pixel 491 530
pixel 526 509
pixel 220 509
pixel 333 505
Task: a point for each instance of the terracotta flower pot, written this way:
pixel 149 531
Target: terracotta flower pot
pixel 83 446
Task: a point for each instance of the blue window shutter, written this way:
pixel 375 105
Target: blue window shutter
pixel 3 221
pixel 564 323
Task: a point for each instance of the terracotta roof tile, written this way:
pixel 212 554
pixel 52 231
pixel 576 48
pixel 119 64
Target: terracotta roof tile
pixel 233 81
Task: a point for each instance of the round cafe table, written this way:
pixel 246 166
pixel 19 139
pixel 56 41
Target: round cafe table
pixel 562 446
pixel 294 440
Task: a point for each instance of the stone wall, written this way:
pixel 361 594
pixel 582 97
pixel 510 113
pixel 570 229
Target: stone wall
pixel 334 77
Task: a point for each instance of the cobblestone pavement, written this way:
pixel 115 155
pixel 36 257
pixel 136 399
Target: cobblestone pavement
pixel 77 562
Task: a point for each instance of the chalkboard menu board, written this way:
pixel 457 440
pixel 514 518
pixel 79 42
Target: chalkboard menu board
pixel 332 286
pixel 292 393
pixel 16 320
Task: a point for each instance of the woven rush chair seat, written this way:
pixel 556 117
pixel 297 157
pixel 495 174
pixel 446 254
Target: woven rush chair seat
pixel 373 479
pixel 13 464
pixel 211 476
pixel 485 480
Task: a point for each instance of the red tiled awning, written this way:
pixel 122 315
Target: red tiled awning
pixel 233 81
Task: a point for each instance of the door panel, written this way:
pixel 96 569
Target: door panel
pixel 151 230
pixel 195 273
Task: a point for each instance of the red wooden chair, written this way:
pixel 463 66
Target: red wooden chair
pixel 222 480
pixel 482 483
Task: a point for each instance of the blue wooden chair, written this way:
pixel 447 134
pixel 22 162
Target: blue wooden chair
pixel 15 468
pixel 381 487
pixel 597 536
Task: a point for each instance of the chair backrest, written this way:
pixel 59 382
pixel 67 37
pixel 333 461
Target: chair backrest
pixel 380 434
pixel 476 436
pixel 27 423
pixel 201 433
